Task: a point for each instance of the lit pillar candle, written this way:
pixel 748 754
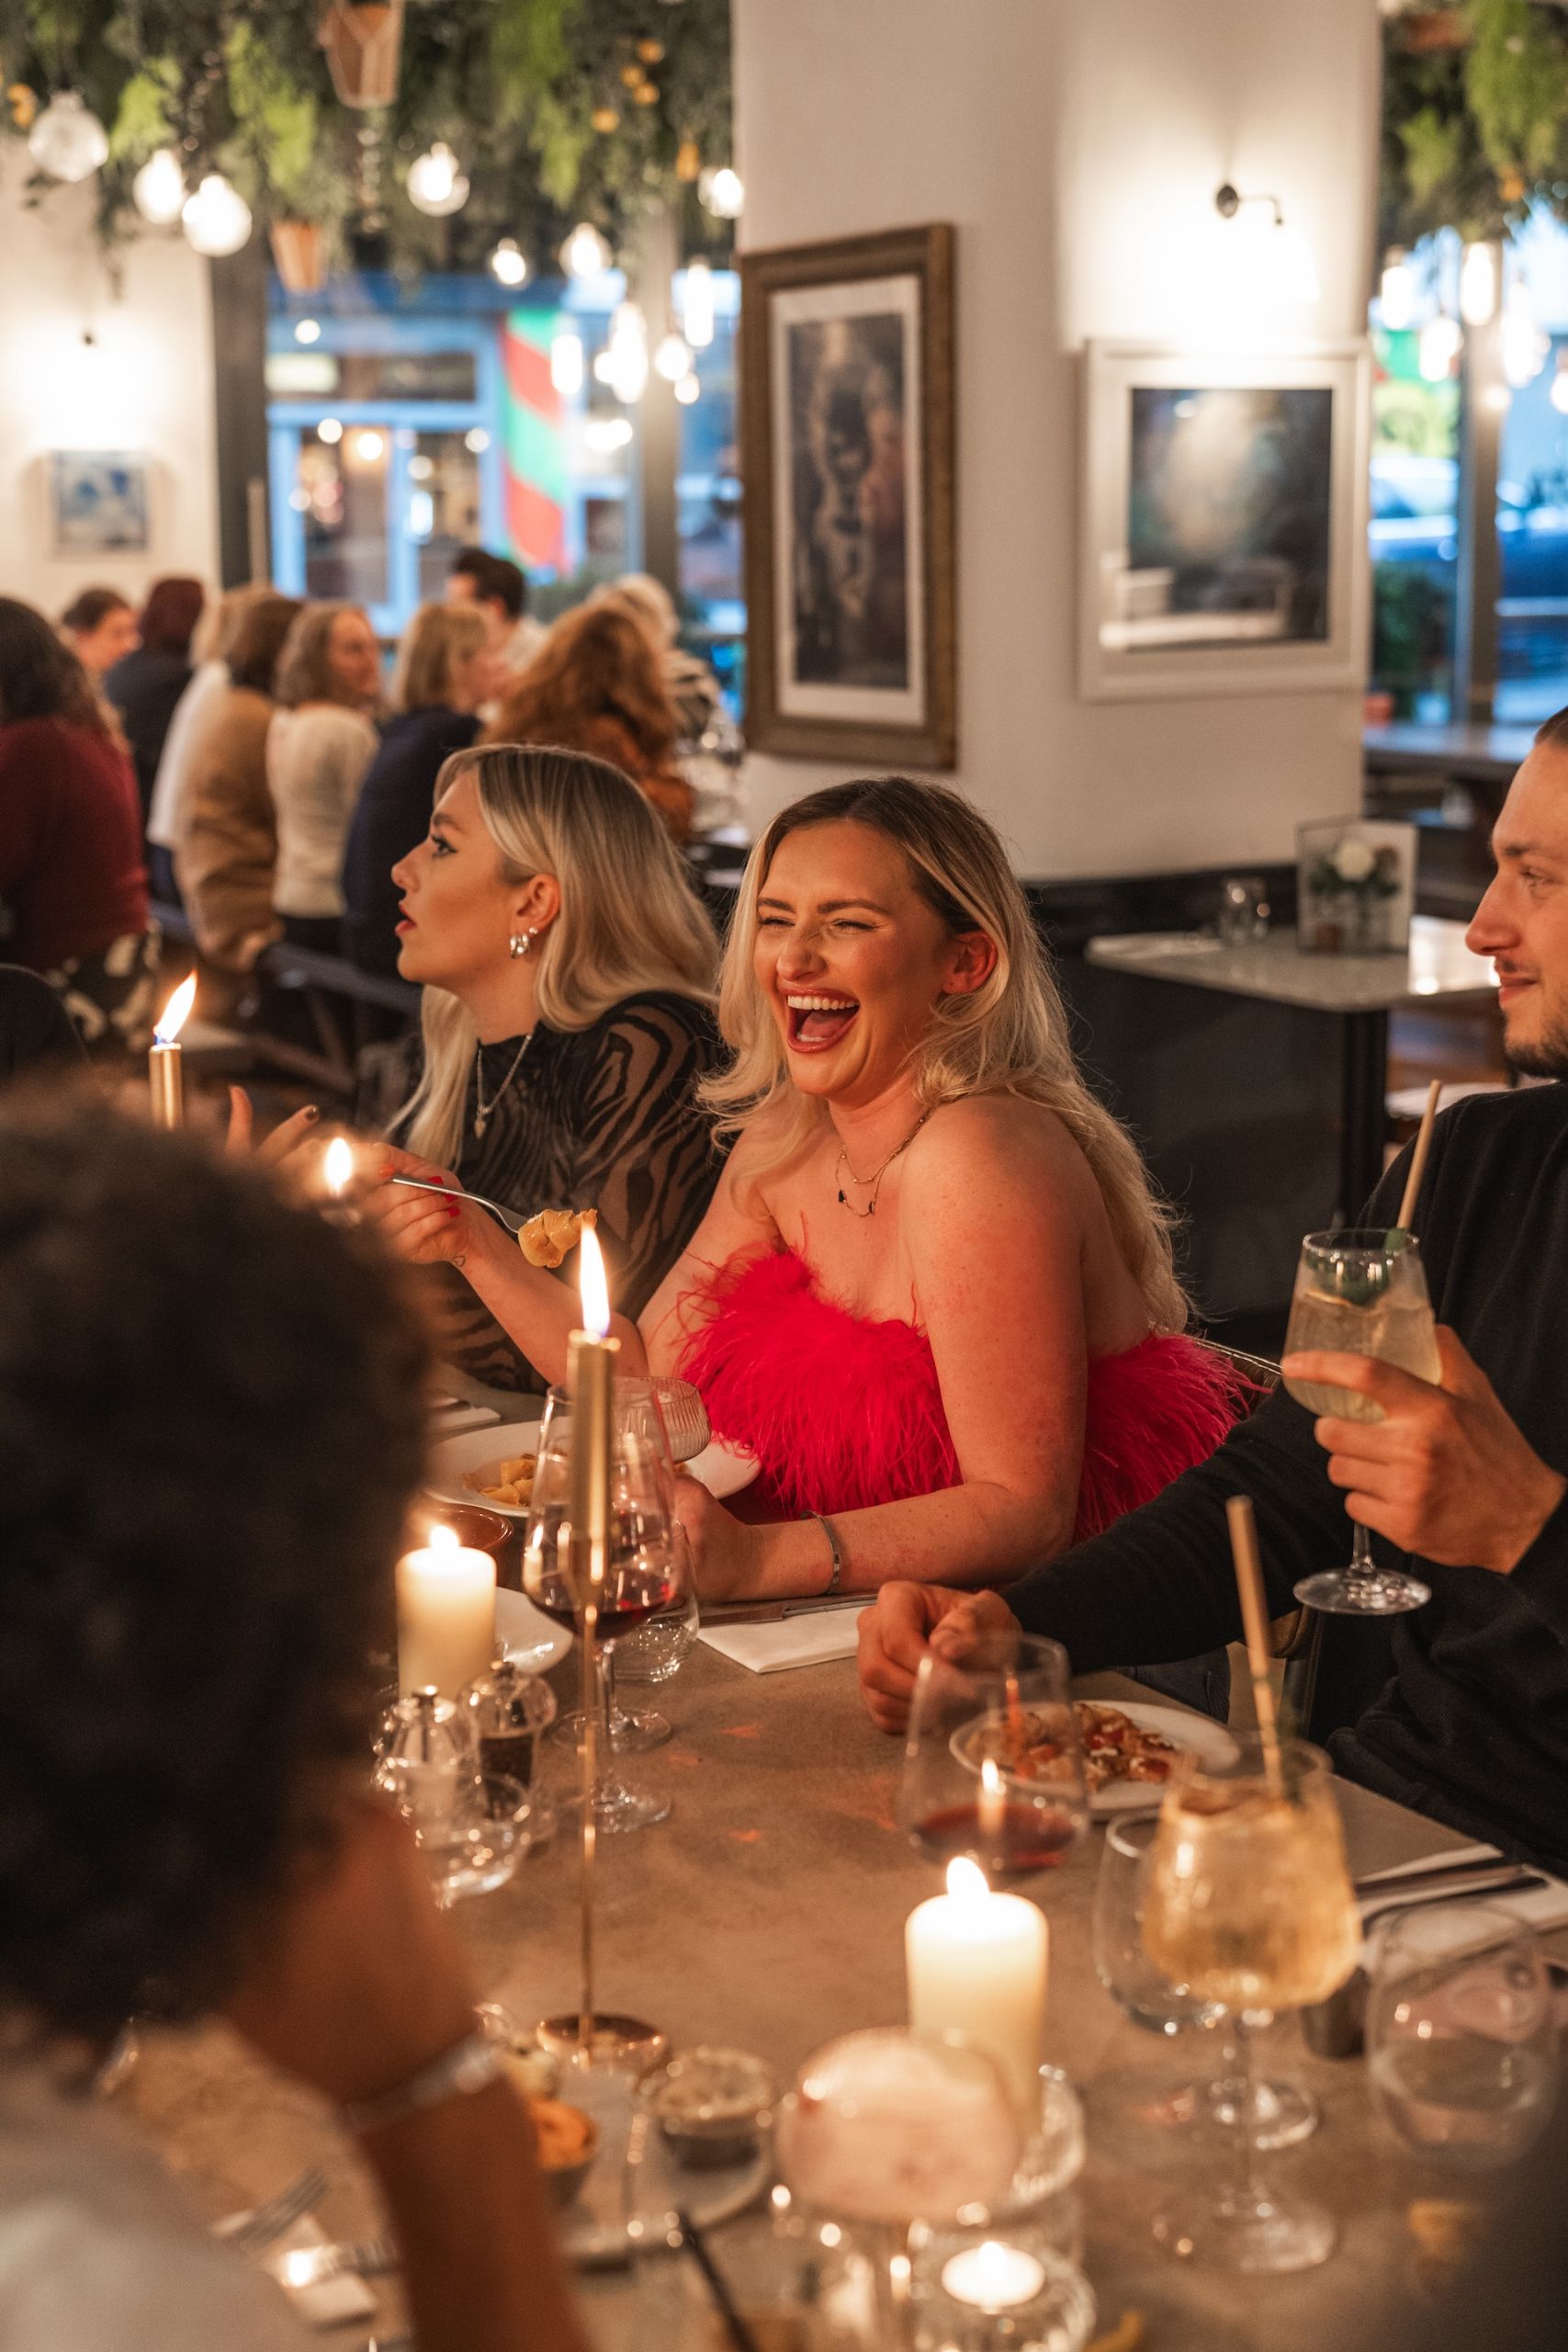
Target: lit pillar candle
pixel 976 1966
pixel 445 1615
pixel 164 1057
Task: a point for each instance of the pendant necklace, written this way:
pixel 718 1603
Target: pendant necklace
pixel 482 1109
pixel 874 1179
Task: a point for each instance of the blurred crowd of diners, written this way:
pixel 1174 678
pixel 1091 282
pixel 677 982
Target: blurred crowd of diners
pixel 255 762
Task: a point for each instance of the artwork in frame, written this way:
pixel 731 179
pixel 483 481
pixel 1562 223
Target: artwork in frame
pixel 100 503
pixel 847 439
pixel 1223 535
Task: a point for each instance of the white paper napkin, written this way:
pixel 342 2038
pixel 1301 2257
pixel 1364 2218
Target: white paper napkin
pixel 810 1639
pixel 1542 1906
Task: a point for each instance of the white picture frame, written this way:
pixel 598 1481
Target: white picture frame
pixel 1223 534
pixel 100 501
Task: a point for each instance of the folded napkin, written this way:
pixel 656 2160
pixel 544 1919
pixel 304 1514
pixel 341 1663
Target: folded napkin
pixel 1542 1908
pixel 810 1638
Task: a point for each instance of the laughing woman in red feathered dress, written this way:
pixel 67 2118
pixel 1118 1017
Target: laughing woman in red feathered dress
pixel 933 1294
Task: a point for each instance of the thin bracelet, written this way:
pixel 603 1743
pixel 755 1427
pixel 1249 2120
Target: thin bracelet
pixel 830 1530
pixel 471 2064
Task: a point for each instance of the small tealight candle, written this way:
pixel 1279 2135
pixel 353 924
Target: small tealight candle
pixel 976 1963
pixel 164 1057
pixel 337 1174
pixel 993 2278
pixel 445 1615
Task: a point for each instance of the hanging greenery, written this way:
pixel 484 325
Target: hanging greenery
pixel 558 110
pixel 1475 115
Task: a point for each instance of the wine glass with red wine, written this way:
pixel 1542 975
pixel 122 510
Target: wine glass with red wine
pixel 992 1764
pixel 648 1572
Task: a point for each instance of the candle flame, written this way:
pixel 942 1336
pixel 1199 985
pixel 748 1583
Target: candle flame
pixel 991 1777
pixel 172 1020
pixel 966 1882
pixel 339 1166
pixel 442 1538
pixel 592 1287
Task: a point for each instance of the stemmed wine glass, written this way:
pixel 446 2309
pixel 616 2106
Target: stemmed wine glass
pixel 1283 2114
pixel 1249 1906
pixel 648 1570
pixel 992 1764
pixel 1361 1292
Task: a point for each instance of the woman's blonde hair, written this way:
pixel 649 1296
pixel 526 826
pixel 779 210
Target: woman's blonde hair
pixel 304 669
pixel 435 644
pixel 1009 1037
pixel 630 920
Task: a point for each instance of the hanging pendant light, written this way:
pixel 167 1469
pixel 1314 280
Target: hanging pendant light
pixel 1478 286
pixel 217 220
pixel 67 139
pixel 1396 291
pixel 585 253
pixel 626 352
pixel 509 264
pixel 723 191
pixel 565 364
pixel 696 305
pixel 686 391
pixel 435 185
pixel 1441 341
pixel 673 357
pixel 1524 346
pixel 158 191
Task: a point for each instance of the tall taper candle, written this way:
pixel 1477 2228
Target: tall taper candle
pixel 164 1058
pixel 591 1376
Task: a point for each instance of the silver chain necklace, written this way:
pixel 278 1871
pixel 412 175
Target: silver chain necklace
pixel 482 1109
pixel 874 1179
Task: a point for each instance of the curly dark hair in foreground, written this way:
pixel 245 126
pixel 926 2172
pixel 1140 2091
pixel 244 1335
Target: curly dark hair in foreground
pixel 211 1418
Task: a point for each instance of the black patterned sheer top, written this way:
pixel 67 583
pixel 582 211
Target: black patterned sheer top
pixel 604 1119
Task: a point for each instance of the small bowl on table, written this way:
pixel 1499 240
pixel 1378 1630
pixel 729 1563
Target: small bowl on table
pixel 711 2105
pixel 479 1529
pixel 568 2142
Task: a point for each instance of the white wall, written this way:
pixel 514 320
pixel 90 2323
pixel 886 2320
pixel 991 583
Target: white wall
pixel 145 384
pixel 1077 145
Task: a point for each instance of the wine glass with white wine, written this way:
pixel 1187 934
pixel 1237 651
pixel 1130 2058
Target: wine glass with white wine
pixel 1361 1292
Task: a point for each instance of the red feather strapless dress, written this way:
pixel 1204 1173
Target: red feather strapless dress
pixel 844 1410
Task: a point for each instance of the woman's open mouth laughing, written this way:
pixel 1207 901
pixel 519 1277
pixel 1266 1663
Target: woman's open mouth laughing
pixel 817 1022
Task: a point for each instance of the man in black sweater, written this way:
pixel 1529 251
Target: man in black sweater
pixel 1463 1479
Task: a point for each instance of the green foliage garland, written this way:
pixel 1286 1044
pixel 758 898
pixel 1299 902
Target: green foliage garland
pixel 1475 115
pixel 512 85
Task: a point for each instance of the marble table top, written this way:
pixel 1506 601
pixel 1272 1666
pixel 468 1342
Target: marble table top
pixel 1437 964
pixel 768 1911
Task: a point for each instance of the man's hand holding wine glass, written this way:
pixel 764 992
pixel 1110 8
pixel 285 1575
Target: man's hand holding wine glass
pixel 1445 1473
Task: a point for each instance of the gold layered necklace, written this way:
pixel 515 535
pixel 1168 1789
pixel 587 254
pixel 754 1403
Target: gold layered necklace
pixel 841 1167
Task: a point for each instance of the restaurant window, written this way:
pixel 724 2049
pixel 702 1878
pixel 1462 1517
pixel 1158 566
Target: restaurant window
pixel 1413 528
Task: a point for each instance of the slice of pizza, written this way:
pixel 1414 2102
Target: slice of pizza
pixel 546 1238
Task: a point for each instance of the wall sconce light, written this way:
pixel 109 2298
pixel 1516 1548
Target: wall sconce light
pixel 1275 255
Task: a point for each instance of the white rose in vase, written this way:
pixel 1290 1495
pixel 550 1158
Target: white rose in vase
pixel 1353 861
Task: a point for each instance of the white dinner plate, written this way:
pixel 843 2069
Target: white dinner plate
pixel 479 1454
pixel 723 1469
pixel 527 1635
pixel 1193 1734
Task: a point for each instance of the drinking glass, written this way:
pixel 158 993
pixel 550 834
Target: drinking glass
pixel 1244 909
pixel 1249 1906
pixel 648 1570
pixel 887 2130
pixel 656 1650
pixel 1461 2038
pixel 992 1766
pixel 1282 2112
pixel 1361 1292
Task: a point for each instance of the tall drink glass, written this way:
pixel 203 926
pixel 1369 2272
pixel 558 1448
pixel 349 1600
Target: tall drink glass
pixel 1361 1292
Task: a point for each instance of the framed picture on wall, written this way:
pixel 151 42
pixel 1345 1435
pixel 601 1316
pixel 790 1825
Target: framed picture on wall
pixel 98 499
pixel 847 424
pixel 1224 535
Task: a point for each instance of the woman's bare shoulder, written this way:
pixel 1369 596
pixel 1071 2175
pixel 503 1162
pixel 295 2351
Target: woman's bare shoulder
pixel 999 1136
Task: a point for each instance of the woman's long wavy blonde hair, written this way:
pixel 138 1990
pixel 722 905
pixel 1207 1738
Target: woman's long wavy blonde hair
pixel 1009 1037
pixel 630 920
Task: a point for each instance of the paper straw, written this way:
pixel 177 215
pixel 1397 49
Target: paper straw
pixel 1249 1584
pixel 1418 1157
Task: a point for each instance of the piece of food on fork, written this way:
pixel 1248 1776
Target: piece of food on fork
pixel 546 1238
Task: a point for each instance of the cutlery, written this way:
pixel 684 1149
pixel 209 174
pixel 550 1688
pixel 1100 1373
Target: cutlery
pixel 451 1193
pixel 734 2327
pixel 1433 1872
pixel 768 1612
pixel 312 2266
pixel 1337 2027
pixel 257 2228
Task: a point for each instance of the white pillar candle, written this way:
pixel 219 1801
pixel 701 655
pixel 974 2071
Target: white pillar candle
pixel 993 2278
pixel 445 1615
pixel 976 1966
